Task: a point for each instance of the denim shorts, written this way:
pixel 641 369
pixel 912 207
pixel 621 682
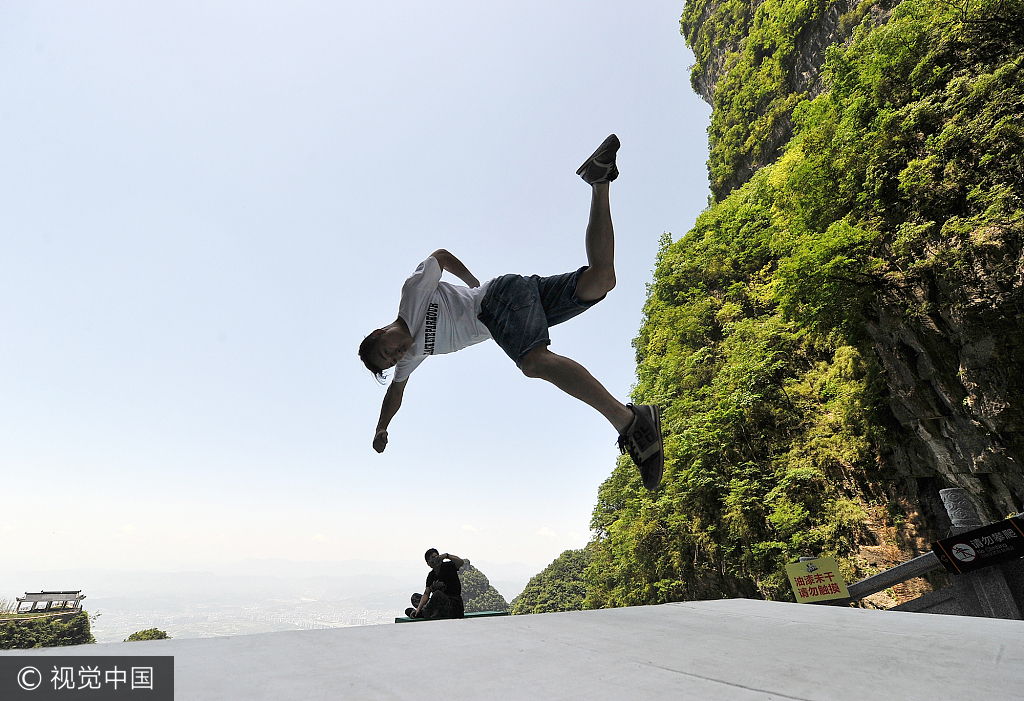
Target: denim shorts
pixel 518 310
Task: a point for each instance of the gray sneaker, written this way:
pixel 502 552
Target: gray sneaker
pixel 600 167
pixel 642 440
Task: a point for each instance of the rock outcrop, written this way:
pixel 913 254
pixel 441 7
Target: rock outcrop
pixel 841 334
pixel 955 377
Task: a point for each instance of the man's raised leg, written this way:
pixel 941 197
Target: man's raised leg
pixel 598 171
pixel 599 277
pixel 639 427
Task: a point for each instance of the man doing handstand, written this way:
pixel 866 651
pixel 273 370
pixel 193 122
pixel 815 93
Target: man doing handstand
pixel 435 317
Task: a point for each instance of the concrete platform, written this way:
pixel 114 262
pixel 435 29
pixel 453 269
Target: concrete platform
pixel 706 651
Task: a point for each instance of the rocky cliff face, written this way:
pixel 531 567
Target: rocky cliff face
pixel 813 39
pixel 954 366
pixel 956 385
pixel 720 32
pixel 839 336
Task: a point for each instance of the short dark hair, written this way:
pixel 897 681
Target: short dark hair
pixel 366 348
pixel 426 555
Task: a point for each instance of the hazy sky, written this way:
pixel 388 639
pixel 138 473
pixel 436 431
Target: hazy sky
pixel 204 207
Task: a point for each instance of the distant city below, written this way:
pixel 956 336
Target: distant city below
pixel 212 621
pixel 244 598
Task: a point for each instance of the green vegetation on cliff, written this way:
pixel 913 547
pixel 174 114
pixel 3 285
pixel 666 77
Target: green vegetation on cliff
pixel 905 169
pixel 756 95
pixel 50 631
pixel 561 586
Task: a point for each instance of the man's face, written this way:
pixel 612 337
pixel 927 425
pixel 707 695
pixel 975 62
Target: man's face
pixel 391 346
pixel 434 560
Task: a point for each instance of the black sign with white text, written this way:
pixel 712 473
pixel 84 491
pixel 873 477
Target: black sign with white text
pixel 981 547
pixel 86 678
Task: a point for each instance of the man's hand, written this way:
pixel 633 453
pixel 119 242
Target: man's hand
pixel 388 408
pixel 380 441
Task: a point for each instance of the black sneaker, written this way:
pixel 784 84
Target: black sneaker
pixel 642 440
pixel 410 613
pixel 600 167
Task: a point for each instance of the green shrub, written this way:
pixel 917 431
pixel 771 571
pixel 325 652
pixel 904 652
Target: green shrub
pixel 45 632
pixel 148 634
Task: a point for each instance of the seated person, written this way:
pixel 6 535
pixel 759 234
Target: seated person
pixel 442 597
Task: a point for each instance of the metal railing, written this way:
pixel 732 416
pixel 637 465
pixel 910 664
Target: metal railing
pixel 895 575
pixel 983 592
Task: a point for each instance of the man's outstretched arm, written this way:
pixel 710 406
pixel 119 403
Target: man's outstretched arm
pixel 454 266
pixel 392 403
pixel 423 601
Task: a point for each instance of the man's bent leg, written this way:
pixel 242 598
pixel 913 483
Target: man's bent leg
pixel 575 380
pixel 439 606
pixel 599 278
pixel 639 427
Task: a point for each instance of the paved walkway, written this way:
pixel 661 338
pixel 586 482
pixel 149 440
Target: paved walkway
pixel 731 650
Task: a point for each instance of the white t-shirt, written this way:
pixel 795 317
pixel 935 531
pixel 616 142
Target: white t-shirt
pixel 442 318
